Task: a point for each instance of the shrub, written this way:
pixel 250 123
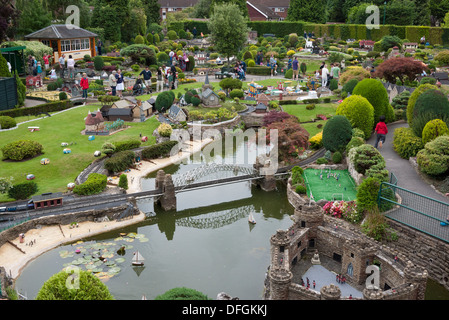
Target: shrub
pixel 135 67
pixel 289 74
pixel 337 157
pixel 300 189
pixel 322 161
pixel 182 293
pixel 172 35
pixel 7 122
pixel 350 73
pixel 126 145
pixel 428 80
pixel 414 97
pixel 442 57
pixel 434 128
pixel 98 63
pixel 353 143
pixel 297 173
pixel 399 68
pixel 21 149
pixel 316 141
pixel 94 184
pixel 120 161
pixel 196 101
pixel 337 132
pixel 350 85
pixel 432 104
pixel 158 150
pixel 406 143
pixel 434 158
pixel 356 132
pixel 108 148
pixel 366 156
pixel 191 63
pixel 374 91
pixel 140 51
pixel 22 191
pixel 401 100
pixel 164 101
pixel 310 106
pixel 123 181
pixel 162 57
pixel 359 111
pixel 62 95
pixel 236 93
pixel 375 225
pixel 303 67
pixel 165 130
pixel 90 287
pixel 367 193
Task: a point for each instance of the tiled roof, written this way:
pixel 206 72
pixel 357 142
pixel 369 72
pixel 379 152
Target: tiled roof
pixel 177 3
pixel 60 31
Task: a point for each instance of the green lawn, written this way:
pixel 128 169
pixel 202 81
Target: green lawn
pixel 63 168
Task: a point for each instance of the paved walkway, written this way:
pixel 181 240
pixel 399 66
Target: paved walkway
pixel 407 176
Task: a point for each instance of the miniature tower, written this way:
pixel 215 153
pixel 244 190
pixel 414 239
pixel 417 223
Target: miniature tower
pixel 330 292
pixel 168 199
pixel 418 276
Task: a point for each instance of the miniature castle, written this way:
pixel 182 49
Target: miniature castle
pixel 314 233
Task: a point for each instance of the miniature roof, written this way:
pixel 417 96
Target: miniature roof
pixel 123 104
pixel 47 196
pixel 261 106
pixel 60 31
pixel 206 93
pixel 262 96
pixel 119 112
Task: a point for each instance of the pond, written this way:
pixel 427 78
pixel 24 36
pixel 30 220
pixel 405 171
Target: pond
pixel 206 244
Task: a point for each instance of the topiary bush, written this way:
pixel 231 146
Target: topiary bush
pixel 21 149
pixel 359 112
pixel 98 63
pixel 297 173
pixel 413 97
pixel 90 287
pixel 431 104
pixel 164 101
pixel 434 158
pixel 108 148
pixel 374 91
pixel 236 93
pixel 165 130
pixel 126 144
pixel 123 181
pixel 337 157
pixel 22 191
pixel 434 128
pixel 367 193
pixel 355 142
pixel 406 143
pixel 62 96
pixel 94 184
pixel 337 132
pixel 366 156
pixel 333 84
pixel 182 293
pixel 300 189
pixel 7 122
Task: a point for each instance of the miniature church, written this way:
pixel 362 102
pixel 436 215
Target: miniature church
pixel 208 97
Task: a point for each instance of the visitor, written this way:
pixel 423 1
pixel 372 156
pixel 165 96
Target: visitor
pixel 171 80
pixel 84 84
pixel 289 63
pixel 272 64
pixel 170 55
pixel 39 70
pixel 314 283
pixel 324 76
pixel 113 82
pixel 53 75
pixel 173 71
pixel 381 131
pixel 336 71
pixel 147 78
pixel 120 83
pixel 46 58
pixel 295 67
pixel 194 32
pixel 160 80
pixel 71 66
pixel 350 296
pixel 259 58
pixel 62 65
pixel 99 45
pixel 423 40
pixel 305 34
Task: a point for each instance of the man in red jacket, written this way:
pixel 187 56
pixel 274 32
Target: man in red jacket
pixel 381 131
pixel 84 84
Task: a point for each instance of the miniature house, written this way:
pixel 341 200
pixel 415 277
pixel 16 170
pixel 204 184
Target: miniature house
pixel 261 108
pixel 94 121
pixel 209 98
pixel 263 98
pixel 176 114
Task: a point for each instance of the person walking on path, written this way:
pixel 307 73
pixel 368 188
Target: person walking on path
pixel 324 75
pixel 71 66
pixel 272 64
pixel 147 78
pixel 160 80
pixel 62 65
pixel 84 83
pixel 381 132
pixel 120 83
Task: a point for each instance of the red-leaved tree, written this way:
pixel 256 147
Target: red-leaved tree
pixel 402 68
pixel 293 139
pixel 275 116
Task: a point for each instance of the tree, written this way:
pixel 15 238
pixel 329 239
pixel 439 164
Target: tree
pixel 310 11
pixel 5 184
pixel 123 181
pixel 399 68
pixel 152 11
pixel 84 286
pixel 202 9
pixel 228 29
pixel 33 17
pixel 240 3
pixel 4 71
pixel 8 19
pixel 422 17
pixel 182 293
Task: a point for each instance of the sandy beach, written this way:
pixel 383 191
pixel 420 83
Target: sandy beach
pixel 50 237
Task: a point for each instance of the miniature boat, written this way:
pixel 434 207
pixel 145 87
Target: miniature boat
pixel 251 219
pixel 137 259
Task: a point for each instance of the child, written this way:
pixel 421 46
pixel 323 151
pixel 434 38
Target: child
pixel 84 83
pixel 381 131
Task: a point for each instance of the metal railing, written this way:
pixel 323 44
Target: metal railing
pixel 415 210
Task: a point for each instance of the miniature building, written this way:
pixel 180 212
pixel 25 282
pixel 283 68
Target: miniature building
pixel 94 121
pixel 210 98
pixel 47 200
pixel 263 98
pixel 125 114
pixel 76 42
pixel 410 46
pixel 176 114
pixel 261 108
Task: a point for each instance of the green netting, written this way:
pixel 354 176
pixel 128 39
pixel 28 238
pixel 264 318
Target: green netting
pixel 323 184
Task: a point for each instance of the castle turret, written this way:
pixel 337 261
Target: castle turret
pixel 418 276
pixel 330 292
pixel 280 280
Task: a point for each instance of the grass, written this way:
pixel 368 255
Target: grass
pixel 63 168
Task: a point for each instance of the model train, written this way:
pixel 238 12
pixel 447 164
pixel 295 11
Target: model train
pixel 43 201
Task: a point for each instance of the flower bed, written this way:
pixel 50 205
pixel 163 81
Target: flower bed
pixel 346 210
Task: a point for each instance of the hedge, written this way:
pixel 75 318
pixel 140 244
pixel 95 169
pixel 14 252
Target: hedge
pixel 120 161
pixel 22 191
pixel 94 184
pixel 126 145
pixel 405 143
pixel 36 110
pixel 21 149
pixel 434 35
pixel 158 150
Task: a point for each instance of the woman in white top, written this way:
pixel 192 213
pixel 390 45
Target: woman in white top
pixel 53 75
pixel 71 66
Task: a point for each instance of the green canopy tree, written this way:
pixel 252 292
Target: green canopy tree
pixel 310 11
pixel 240 3
pixel 228 29
pixel 33 17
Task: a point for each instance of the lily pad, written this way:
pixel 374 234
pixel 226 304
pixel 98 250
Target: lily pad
pixel 114 270
pixel 65 254
pixel 132 234
pixel 120 260
pixel 144 239
pixel 98 269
